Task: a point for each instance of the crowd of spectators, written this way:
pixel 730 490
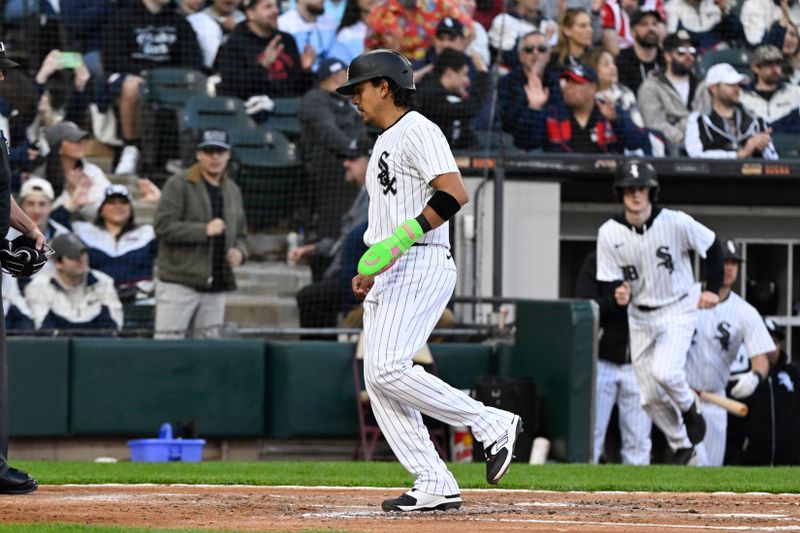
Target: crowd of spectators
pixel 571 76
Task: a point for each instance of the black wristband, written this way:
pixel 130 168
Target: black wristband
pixel 445 205
pixel 423 223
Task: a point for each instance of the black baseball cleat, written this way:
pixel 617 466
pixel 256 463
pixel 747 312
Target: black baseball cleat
pixel 416 500
pixel 17 482
pixel 500 453
pixel 685 456
pixel 695 423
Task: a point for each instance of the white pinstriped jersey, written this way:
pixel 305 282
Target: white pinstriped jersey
pixel 719 334
pixel 406 157
pixel 654 260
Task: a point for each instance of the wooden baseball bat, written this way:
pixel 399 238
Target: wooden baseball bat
pixel 732 406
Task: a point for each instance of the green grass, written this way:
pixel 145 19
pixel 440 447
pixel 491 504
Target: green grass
pixel 558 477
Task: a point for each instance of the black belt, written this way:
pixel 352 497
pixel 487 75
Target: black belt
pixel 420 244
pixel 647 308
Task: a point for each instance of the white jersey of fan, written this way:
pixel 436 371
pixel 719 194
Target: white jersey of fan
pixel 406 157
pixel 655 260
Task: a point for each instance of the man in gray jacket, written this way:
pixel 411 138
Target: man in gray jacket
pixel 667 96
pixel 201 229
pixel 329 124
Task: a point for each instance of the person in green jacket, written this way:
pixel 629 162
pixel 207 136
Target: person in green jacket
pixel 201 228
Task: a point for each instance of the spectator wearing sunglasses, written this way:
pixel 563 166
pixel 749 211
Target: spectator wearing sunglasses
pixel 728 131
pixel 522 92
pixel 668 96
pixel 709 22
pixel 201 232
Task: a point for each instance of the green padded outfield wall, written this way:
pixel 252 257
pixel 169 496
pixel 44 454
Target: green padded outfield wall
pixel 38 384
pixel 460 364
pixel 555 344
pixel 130 386
pixel 310 390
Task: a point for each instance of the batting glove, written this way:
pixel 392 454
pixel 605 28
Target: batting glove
pixel 20 257
pixel 746 384
pixel 381 256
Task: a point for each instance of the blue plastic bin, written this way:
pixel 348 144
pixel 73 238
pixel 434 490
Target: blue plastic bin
pixel 165 448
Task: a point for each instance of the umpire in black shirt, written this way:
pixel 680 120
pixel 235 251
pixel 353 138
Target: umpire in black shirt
pixel 12 481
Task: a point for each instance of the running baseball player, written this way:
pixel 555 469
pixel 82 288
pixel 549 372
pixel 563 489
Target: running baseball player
pixel 406 278
pixel 720 333
pixel 616 382
pixel 646 250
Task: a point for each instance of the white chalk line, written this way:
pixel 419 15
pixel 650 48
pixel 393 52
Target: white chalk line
pixel 403 489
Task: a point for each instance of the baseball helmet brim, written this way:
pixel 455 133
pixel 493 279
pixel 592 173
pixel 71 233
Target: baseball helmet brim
pixel 349 88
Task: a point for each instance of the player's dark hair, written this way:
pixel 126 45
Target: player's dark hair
pixel 401 97
pixel 449 59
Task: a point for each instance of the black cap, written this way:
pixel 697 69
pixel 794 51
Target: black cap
pixel 117 190
pixel 68 245
pixel 731 251
pixel 774 329
pixel 450 25
pixel 674 40
pixel 358 148
pixel 6 63
pixel 642 13
pixel 213 137
pixel 328 68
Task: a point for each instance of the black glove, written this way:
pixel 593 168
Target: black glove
pixel 21 258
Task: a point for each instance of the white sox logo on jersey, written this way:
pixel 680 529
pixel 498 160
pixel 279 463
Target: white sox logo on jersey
pixel 389 184
pixel 724 337
pixel 666 258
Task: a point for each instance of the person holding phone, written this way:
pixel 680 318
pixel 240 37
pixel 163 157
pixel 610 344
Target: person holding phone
pixel 57 61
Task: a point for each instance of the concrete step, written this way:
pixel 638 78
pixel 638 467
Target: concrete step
pixel 261 310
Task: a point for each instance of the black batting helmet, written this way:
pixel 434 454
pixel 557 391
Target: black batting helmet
pixel 380 63
pixel 635 173
pixel 731 251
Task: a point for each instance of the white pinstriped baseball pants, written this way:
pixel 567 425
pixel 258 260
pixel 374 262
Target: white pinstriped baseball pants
pixel 711 452
pixel 660 340
pixel 400 312
pixel 616 384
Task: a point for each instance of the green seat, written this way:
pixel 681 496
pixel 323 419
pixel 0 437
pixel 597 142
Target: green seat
pixel 738 58
pixel 284 117
pixel 787 144
pixel 172 87
pixel 268 171
pixel 201 112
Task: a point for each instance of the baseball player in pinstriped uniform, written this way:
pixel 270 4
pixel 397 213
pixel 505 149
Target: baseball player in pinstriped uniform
pixel 646 249
pixel 720 333
pixel 406 277
pixel 616 382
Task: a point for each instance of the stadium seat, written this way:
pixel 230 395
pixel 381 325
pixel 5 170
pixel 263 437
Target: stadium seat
pixel 738 58
pixel 787 144
pixel 202 112
pixel 368 430
pixel 494 140
pixel 172 87
pixel 284 117
pixel 164 93
pixel 268 170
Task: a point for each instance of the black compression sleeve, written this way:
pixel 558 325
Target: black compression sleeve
pixel 714 268
pixel 445 205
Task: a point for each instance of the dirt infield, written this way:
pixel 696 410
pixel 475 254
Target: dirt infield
pixel 292 509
